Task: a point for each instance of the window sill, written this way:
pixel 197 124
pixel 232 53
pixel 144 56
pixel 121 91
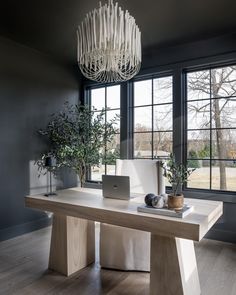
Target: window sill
pixel 93 184
pixel 211 195
pixel 195 194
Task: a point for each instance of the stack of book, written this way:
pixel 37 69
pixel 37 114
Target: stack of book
pixel 167 212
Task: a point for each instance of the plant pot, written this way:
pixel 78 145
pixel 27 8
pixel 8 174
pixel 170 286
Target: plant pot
pixel 176 202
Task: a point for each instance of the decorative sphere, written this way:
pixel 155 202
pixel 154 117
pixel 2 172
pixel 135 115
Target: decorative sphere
pixel 150 199
pixel 158 202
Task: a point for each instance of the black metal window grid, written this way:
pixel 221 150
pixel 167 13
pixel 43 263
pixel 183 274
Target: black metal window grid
pixel 99 98
pixel 211 128
pixel 152 111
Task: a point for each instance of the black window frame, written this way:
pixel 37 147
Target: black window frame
pixel 178 70
pixel 87 100
pixel 151 77
pixel 207 67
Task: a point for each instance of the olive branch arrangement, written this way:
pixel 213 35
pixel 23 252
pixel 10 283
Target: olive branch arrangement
pixel 176 174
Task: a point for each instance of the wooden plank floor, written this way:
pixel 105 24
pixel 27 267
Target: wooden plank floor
pixel 24 260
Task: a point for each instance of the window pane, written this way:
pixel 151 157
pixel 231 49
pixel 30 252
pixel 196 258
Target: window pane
pixel 111 169
pixel 96 173
pixel 199 144
pixel 200 178
pixel 162 144
pixel 162 88
pixel 223 82
pixel 218 143
pixel 111 115
pixel 224 175
pixel 143 145
pixel 113 150
pixel 224 113
pixel 153 124
pixel 96 114
pixel 143 93
pixel 224 144
pixel 109 98
pixel 163 117
pixel 98 98
pixel 143 119
pixel 198 85
pixel 113 97
pixel 199 114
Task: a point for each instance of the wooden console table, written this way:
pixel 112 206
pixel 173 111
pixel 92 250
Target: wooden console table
pixel 173 261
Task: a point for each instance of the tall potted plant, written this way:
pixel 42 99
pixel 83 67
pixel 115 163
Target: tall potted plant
pixel 77 138
pixel 177 175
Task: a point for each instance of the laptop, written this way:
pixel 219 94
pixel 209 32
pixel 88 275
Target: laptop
pixel 116 187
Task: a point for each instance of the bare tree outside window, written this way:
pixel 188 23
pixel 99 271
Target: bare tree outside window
pixel 211 104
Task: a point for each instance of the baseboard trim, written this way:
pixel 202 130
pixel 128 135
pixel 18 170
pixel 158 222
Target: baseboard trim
pixel 221 235
pixel 14 231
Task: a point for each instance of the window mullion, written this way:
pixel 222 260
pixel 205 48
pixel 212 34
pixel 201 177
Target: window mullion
pixel 124 122
pixel 178 115
pixel 152 118
pixel 105 156
pixel 210 132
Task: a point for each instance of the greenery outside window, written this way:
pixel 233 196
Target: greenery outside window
pixel 109 98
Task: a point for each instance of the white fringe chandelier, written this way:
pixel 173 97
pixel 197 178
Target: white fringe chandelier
pixel 109 45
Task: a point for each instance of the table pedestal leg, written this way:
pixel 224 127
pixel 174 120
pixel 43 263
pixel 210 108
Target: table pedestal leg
pixel 173 267
pixel 72 244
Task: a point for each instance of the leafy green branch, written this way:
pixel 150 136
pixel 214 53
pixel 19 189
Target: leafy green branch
pixel 177 174
pixel 77 138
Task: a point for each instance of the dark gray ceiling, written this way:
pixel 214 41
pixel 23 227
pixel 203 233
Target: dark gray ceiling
pixel 50 25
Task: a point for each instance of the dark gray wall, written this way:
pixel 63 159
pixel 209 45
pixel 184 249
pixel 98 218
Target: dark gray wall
pixel 225 228
pixel 184 55
pixel 32 86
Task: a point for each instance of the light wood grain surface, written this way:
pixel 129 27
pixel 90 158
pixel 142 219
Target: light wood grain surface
pixel 72 244
pixel 178 274
pixel 89 204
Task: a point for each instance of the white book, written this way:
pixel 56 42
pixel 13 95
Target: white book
pixel 167 212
